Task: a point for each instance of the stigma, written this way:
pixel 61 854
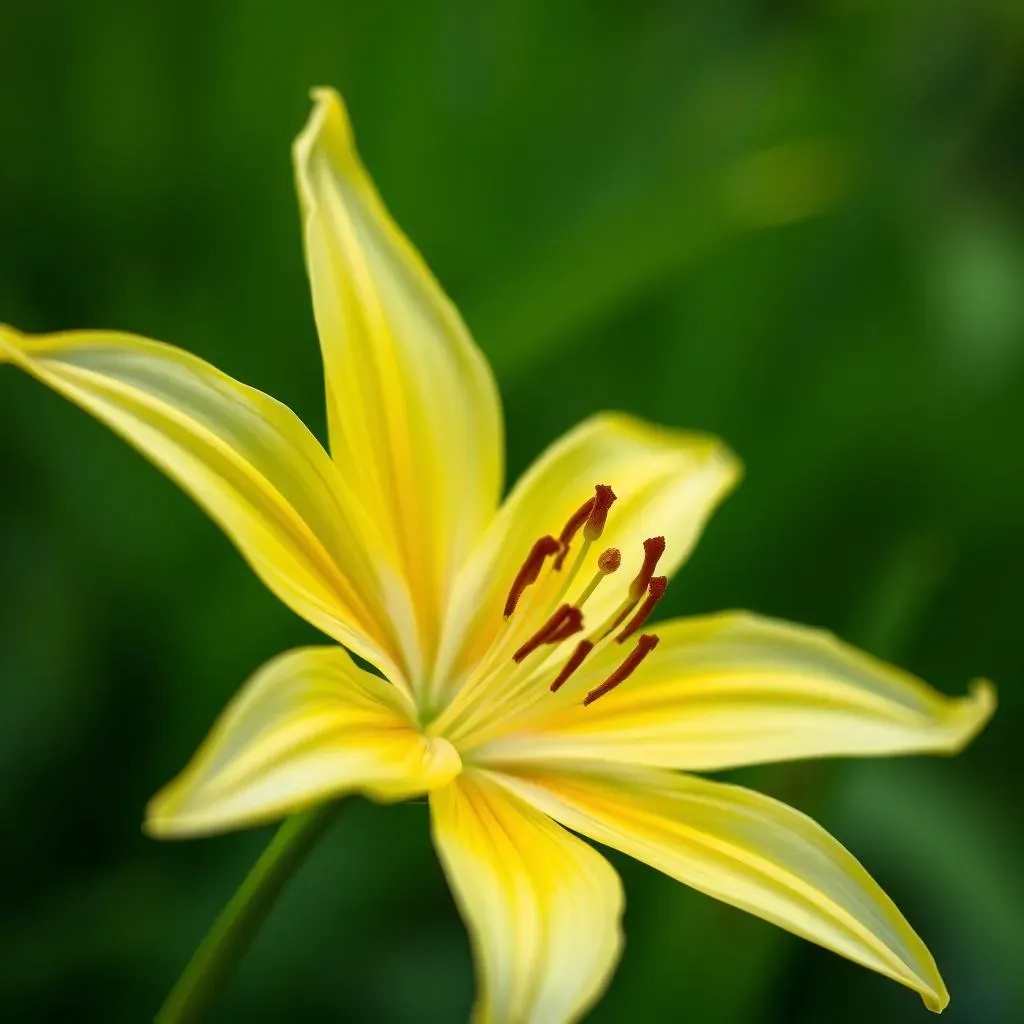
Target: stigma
pixel 560 628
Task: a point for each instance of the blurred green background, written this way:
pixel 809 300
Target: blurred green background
pixel 799 225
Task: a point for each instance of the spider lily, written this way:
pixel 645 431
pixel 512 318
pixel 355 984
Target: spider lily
pixel 522 684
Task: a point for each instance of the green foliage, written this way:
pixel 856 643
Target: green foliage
pixel 800 226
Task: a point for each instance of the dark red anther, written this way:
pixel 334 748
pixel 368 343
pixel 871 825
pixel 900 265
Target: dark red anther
pixel 529 572
pixel 583 648
pixel 571 528
pixel 572 622
pixel 654 548
pixel 603 498
pixel 655 592
pixel 644 646
pixel 566 621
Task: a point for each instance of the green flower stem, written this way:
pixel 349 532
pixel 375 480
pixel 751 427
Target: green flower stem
pixel 228 940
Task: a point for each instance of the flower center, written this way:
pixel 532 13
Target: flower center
pixel 544 639
pixel 558 622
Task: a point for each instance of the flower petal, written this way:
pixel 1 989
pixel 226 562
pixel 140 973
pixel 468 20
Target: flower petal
pixel 747 850
pixel 307 727
pixel 249 462
pixel 413 411
pixel 542 907
pixel 668 482
pixel 734 689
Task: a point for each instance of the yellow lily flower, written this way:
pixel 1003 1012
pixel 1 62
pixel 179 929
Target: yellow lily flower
pixel 520 690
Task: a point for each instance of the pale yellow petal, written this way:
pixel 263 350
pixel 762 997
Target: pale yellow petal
pixel 414 415
pixel 307 727
pixel 726 690
pixel 668 483
pixel 542 907
pixel 249 462
pixel 745 849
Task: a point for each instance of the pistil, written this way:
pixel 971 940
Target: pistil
pixel 608 562
pixel 654 548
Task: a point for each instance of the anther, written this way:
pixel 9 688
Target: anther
pixel 603 498
pixel 644 646
pixel 571 623
pixel 566 621
pixel 655 592
pixel 530 571
pixel 571 528
pixel 654 548
pixel 583 648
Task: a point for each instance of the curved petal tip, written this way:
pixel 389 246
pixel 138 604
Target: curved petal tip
pixel 328 123
pixel 970 714
pixel 935 1000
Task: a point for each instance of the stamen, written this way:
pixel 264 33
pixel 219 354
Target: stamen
pixel 583 648
pixel 608 561
pixel 572 623
pixel 571 528
pixel 528 574
pixel 566 621
pixel 654 548
pixel 616 618
pixel 644 646
pixel 603 498
pixel 655 592
pixel 597 512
